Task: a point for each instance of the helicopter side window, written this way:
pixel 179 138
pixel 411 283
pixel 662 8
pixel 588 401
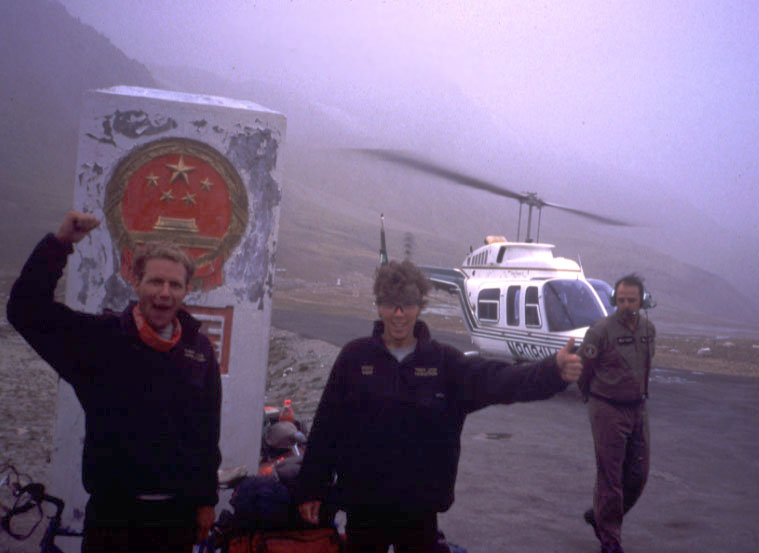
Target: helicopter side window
pixel 512 305
pixel 531 307
pixel 570 304
pixel 501 251
pixel 487 304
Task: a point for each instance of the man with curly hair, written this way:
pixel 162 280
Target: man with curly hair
pixel 389 422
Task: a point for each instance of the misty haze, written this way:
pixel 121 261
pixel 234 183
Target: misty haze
pixel 643 114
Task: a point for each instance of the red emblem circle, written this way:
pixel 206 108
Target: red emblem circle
pixel 182 191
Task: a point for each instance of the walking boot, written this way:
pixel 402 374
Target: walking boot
pixel 590 518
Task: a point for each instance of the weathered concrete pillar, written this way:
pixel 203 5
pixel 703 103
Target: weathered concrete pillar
pixel 200 171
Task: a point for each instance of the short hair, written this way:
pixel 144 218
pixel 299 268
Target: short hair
pixel 401 283
pixel 631 280
pixel 161 250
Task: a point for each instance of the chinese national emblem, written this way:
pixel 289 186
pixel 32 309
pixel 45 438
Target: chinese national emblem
pixel 181 191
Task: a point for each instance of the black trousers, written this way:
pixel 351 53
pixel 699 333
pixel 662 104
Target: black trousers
pixel 121 525
pixel 373 531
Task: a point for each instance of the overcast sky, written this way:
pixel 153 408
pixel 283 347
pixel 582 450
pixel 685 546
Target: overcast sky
pixel 667 91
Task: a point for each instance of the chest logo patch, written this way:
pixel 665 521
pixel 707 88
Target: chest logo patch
pixel 367 370
pixel 194 355
pixel 625 340
pixel 422 371
pixel 590 351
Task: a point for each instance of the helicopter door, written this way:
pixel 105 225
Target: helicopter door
pixel 531 307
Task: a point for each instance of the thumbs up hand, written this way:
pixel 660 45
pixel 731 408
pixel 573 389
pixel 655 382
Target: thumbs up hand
pixel 570 364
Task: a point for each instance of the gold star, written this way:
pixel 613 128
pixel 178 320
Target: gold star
pixel 180 169
pixel 167 196
pixel 206 184
pixel 189 198
pixel 152 179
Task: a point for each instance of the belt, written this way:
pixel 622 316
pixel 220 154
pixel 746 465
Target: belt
pixel 156 496
pixel 619 403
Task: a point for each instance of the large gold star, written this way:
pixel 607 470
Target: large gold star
pixel 152 179
pixel 167 196
pixel 189 198
pixel 180 169
pixel 206 184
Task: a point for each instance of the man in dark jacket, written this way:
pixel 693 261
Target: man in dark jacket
pixel 149 384
pixel 389 422
pixel 617 352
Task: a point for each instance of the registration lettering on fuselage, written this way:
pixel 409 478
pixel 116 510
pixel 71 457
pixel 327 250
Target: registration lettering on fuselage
pixel 521 350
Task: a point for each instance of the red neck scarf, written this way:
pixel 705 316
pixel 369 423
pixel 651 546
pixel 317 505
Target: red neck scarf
pixel 150 337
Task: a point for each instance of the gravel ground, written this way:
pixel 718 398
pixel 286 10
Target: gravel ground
pixel 27 406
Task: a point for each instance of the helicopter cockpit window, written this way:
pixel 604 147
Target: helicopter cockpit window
pixel 570 304
pixel 512 305
pixel 531 307
pixel 487 304
pixel 604 291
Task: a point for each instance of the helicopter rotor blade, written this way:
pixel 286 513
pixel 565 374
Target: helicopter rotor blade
pixel 405 159
pixel 402 158
pixel 588 215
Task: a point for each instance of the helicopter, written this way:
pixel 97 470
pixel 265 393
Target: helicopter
pixel 518 300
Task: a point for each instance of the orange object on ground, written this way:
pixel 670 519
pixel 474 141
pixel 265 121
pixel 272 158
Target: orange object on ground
pixel 287 414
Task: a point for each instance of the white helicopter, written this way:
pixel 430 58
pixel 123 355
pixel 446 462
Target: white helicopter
pixel 519 301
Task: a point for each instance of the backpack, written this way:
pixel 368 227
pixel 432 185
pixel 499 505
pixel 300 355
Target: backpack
pixel 316 540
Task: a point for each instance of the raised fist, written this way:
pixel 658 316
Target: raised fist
pixel 75 226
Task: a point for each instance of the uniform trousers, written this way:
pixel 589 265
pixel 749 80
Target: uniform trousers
pixel 622 445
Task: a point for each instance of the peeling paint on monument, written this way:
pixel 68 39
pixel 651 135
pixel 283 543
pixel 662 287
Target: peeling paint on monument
pixel 254 152
pixel 85 266
pixel 133 124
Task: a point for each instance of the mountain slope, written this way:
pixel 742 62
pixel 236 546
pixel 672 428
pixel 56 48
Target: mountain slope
pixel 49 59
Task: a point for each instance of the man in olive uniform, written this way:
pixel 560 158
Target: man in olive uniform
pixel 617 352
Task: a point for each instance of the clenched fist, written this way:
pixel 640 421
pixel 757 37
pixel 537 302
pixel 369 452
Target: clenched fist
pixel 75 226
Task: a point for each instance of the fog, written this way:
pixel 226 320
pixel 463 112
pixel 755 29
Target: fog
pixel 645 111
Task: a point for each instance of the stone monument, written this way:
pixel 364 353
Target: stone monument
pixel 201 171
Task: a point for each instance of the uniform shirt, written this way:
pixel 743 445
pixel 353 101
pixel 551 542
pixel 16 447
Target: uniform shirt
pixel 616 360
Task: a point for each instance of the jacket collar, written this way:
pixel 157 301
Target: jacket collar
pixel 190 325
pixel 421 333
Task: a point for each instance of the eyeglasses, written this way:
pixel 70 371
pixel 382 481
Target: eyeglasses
pixel 393 307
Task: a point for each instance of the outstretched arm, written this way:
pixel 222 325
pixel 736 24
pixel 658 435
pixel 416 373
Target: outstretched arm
pixel 49 327
pixel 480 382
